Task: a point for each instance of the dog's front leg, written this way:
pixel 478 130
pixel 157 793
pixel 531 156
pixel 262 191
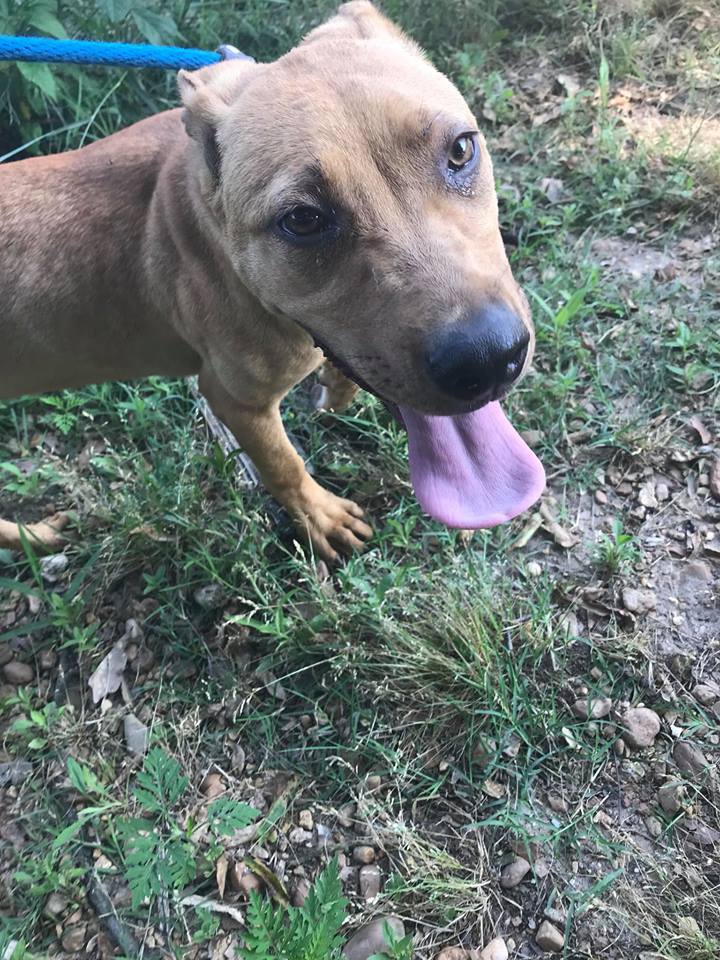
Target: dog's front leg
pixel 330 523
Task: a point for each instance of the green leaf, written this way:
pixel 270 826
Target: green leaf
pixel 46 21
pixel 155 27
pixel 226 816
pixel 159 783
pixel 41 76
pixel 83 779
pixel 115 10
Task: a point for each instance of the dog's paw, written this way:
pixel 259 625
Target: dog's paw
pixel 333 391
pixel 332 525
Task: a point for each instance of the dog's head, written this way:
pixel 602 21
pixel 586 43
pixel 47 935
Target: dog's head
pixel 356 196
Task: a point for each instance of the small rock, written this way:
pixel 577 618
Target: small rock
pixel 641 727
pixel 707 693
pixel 703 835
pixel 300 891
pixel 6 654
pixel 601 496
pixel 73 939
pixel 689 759
pixel 662 490
pixel 136 735
pixel 557 803
pixel 53 566
pixel 55 905
pixel 671 796
pixel 549 938
pixel 363 854
pixel 14 772
pixel 237 762
pixel 370 939
pixel 299 836
pixel 514 873
pixel 305 819
pixel 534 569
pixel 212 786
pixel 369 881
pixel 638 601
pixel 47 659
pixel 453 953
pixel 249 883
pixel 592 708
pixel 18 673
pixel 495 950
pixel 654 827
pixel 209 597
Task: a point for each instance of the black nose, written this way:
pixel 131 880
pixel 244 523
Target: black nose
pixel 480 357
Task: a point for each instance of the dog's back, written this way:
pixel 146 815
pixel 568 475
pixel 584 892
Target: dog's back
pixel 72 243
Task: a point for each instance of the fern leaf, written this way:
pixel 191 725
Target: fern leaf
pixel 160 782
pixel 226 816
pixel 262 930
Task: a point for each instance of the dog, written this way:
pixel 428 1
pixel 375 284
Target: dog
pixel 336 203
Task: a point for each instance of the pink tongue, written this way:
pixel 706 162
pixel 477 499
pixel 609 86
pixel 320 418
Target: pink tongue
pixel 473 470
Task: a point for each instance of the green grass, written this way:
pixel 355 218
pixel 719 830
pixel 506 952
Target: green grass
pixel 423 692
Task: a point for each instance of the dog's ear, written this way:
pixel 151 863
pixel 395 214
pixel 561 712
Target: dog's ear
pixel 359 20
pixel 207 95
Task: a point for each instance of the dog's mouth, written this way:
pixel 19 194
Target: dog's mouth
pixel 470 470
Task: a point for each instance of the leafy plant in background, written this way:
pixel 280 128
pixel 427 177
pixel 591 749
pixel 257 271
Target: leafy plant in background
pixel 159 853
pixel 309 932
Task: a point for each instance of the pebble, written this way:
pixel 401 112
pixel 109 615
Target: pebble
pixel 689 759
pixel 73 939
pixel 6 654
pixel 707 693
pixel 209 597
pixel 495 950
pixel 642 726
pixel 14 772
pixel 136 735
pixel 212 786
pixel 300 836
pixel 654 827
pixel 638 601
pixel 453 953
pixel 534 569
pixel 514 873
pixel 549 938
pixel 300 892
pixel 55 905
pixel 369 881
pixel 592 708
pixel 305 819
pixel 18 673
pixel 671 796
pixel 243 880
pixel 370 939
pixel 364 854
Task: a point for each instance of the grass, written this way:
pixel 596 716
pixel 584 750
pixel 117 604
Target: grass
pixel 419 699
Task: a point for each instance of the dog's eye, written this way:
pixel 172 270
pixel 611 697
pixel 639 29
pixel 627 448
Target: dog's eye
pixel 462 152
pixel 304 222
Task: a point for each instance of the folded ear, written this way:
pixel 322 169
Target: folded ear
pixel 207 95
pixel 359 20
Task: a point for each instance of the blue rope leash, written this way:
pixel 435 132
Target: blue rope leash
pixel 92 52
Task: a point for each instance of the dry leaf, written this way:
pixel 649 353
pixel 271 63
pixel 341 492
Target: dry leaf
pixel 204 903
pixel 109 675
pixel 492 788
pixel 528 531
pixel 715 478
pixel 271 880
pixel 701 430
pixel 561 536
pixel 221 869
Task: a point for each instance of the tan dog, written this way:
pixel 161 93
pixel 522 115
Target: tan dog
pixel 340 196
